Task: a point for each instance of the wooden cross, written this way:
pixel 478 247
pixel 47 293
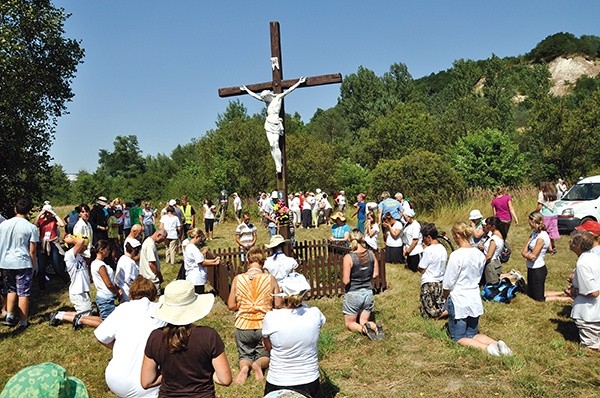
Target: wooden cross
pixel 277 85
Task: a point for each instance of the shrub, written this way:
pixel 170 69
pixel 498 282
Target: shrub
pixel 425 177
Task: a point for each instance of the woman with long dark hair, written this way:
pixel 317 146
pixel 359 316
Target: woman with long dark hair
pixel 184 359
pixel 492 247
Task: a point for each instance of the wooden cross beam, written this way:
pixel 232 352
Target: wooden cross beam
pixel 277 85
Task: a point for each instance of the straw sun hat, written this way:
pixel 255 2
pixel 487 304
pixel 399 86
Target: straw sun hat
pixel 180 305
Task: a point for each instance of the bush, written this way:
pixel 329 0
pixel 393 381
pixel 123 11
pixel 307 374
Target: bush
pixel 489 158
pixel 425 177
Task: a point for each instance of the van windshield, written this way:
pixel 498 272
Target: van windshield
pixel 589 191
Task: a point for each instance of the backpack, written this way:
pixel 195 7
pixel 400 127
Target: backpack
pixel 505 253
pixel 501 292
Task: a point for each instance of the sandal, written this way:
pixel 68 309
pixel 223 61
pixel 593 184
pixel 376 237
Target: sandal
pixel 369 332
pixel 380 332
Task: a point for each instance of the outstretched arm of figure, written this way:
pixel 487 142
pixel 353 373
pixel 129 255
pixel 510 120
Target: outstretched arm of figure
pixel 295 86
pixel 252 93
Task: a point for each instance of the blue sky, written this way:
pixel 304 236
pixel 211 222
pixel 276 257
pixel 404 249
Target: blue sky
pixel 152 68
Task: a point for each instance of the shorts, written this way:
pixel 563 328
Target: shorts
pixel 209 224
pixel 81 301
pixel 106 305
pixel 18 281
pixel 460 328
pixel 357 301
pixel 250 345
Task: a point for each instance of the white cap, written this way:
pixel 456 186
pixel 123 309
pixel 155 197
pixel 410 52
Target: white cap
pixel 294 284
pixel 475 215
pixel 172 202
pixel 409 212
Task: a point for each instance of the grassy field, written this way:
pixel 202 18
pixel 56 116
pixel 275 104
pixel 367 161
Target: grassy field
pixel 417 358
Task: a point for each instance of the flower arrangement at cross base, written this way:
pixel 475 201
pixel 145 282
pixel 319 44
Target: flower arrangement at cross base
pixel 282 212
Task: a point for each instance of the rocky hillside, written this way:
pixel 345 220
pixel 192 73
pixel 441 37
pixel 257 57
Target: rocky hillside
pixel 566 70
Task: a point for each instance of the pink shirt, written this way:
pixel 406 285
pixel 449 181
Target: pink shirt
pixel 500 206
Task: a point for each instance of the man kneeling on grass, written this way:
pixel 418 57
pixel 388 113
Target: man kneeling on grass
pixel 79 289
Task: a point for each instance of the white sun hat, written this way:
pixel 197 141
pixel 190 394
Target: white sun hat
pixel 180 305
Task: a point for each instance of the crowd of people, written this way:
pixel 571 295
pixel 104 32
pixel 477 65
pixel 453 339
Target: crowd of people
pixel 152 332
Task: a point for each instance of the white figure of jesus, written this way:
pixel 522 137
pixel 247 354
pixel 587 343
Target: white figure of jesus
pixel 273 123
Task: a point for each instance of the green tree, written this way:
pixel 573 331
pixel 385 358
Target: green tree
pixel 489 158
pixel 425 177
pixel 553 46
pixel 362 98
pixel 37 66
pixel 125 160
pixel 57 186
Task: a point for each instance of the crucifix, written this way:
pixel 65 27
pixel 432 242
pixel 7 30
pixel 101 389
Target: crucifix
pixel 274 124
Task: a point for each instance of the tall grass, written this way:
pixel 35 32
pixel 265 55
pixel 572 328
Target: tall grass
pixel 417 358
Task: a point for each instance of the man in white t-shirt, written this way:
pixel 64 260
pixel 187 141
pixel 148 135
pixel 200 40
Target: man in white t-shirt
pixel 432 268
pixel 245 235
pixel 412 240
pixel 237 206
pixel 149 261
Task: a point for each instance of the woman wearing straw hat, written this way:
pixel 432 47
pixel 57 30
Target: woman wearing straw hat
pixel 279 264
pixel 340 231
pixel 291 334
pixel 184 359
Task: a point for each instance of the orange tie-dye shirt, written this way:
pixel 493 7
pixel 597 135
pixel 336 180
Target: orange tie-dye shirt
pixel 253 295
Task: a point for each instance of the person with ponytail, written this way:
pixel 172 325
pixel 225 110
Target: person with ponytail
pixel 534 252
pixel 359 268
pixel 492 247
pixel 103 278
pixel 461 290
pixel 185 360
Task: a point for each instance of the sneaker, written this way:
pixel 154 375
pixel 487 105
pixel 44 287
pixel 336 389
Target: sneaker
pixel 77 319
pixel 504 349
pixel 493 350
pixel 23 326
pixel 10 321
pixel 54 321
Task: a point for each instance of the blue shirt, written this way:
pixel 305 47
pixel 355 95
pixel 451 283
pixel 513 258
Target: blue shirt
pixel 16 235
pixel 391 206
pixel 362 208
pixel 338 231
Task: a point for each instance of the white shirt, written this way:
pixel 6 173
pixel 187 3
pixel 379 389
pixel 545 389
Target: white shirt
pixel 127 271
pixel 16 236
pixel 499 246
pixel 539 262
pixel 462 277
pixel 128 326
pixel 237 203
pixel 149 254
pixel 84 229
pixel 209 212
pixel 170 224
pixel 246 232
pixel 587 280
pixel 372 240
pixel 295 204
pixel 341 199
pixel 101 289
pixel 194 271
pixel 294 334
pixel 411 232
pixel 390 240
pixel 280 267
pixel 77 269
pixel 434 263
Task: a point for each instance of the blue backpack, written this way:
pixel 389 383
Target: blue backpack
pixel 501 292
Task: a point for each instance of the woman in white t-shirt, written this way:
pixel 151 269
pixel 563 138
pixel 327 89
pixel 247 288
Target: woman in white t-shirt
pixel 103 277
pixel 209 218
pixel 534 252
pixel 432 268
pixel 128 268
pixel 171 223
pixel 291 334
pixel 371 231
pixel 194 262
pixel 393 239
pixel 461 290
pixel 412 240
pixel 492 247
pixel 125 332
pixel 586 290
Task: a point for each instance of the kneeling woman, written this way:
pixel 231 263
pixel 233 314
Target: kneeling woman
pixel 359 268
pixel 461 288
pixel 291 335
pixel 184 359
pixel 195 262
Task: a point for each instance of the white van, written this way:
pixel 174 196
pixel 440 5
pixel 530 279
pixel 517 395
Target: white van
pixel 580 203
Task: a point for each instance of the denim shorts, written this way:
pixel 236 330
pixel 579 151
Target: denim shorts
pixel 460 328
pixel 81 301
pixel 18 281
pixel 357 301
pixel 105 305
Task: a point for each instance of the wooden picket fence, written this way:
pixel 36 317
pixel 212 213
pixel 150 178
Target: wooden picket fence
pixel 319 261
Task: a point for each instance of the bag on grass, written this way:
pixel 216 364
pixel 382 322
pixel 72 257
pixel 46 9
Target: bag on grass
pixel 505 253
pixel 501 292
